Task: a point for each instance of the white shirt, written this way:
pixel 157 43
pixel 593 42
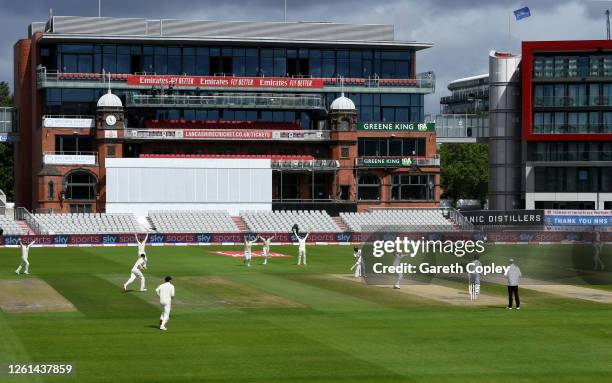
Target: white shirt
pixel 513 275
pixel 165 292
pixel 141 247
pixel 357 253
pixel 302 242
pixel 248 245
pixel 141 263
pixel 267 242
pixel 25 249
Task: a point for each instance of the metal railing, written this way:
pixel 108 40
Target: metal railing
pixel 459 219
pixel 577 156
pixel 577 101
pixel 425 80
pixel 22 214
pixel 229 100
pixel 460 125
pixel 605 128
pixel 305 164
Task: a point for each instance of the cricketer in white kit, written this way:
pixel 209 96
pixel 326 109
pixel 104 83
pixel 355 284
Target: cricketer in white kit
pixel 358 266
pixel 165 292
pixel 266 247
pixel 302 248
pixel 141 264
pixel 25 252
pixel 474 279
pixel 248 245
pixel 141 245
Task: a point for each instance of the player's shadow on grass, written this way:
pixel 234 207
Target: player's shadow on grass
pixel 152 326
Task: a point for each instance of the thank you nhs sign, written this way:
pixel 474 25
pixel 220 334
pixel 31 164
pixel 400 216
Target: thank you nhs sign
pixel 578 217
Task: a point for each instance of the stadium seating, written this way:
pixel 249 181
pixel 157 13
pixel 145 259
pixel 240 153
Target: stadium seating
pixel 204 221
pixel 87 223
pixel 283 221
pixel 10 227
pixel 409 219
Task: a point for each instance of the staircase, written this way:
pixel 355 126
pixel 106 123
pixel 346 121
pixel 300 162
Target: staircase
pixel 240 223
pixel 340 224
pixel 25 227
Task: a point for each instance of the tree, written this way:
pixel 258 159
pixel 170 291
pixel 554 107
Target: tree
pixel 7 180
pixel 464 171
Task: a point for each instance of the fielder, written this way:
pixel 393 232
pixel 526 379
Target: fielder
pixel 141 245
pixel 400 275
pixel 598 244
pixel 302 248
pixel 165 292
pixel 25 252
pixel 474 279
pixel 266 247
pixel 247 250
pixel 358 266
pixel 141 264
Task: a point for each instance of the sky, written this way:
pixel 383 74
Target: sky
pixel 462 31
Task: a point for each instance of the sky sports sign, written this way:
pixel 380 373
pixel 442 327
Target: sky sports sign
pixel 226 82
pixel 396 126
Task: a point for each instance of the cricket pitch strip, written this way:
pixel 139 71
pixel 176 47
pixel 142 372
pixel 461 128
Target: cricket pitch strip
pixel 30 295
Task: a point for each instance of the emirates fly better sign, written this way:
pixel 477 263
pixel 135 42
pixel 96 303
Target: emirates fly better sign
pixel 226 82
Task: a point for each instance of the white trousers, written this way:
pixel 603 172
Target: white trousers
pixel 136 274
pixel 474 290
pixel 24 264
pixel 301 256
pixel 165 316
pixel 266 254
pixel 358 271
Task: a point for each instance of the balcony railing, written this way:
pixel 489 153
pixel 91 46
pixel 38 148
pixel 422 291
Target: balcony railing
pixel 229 101
pixel 575 156
pixel 70 158
pixel 425 81
pixel 305 164
pixel 576 101
pixel 472 126
pixel 605 128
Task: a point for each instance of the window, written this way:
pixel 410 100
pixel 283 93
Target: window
pixel 368 187
pixel 344 152
pixel 80 208
pixel 406 187
pixel 80 185
pixel 51 190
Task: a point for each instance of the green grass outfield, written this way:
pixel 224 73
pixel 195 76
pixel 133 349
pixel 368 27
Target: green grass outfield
pixel 281 323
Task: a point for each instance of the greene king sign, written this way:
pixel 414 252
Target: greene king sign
pixel 386 162
pixel 397 126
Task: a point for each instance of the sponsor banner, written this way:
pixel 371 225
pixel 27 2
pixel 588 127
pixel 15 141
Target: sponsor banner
pixel 397 126
pixel 237 134
pixel 386 162
pixel 58 122
pixel 69 159
pixel 226 82
pixel 504 217
pixel 578 220
pixel 217 134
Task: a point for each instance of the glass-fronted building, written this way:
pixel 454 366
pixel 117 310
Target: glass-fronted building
pixel 224 88
pixel 567 124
